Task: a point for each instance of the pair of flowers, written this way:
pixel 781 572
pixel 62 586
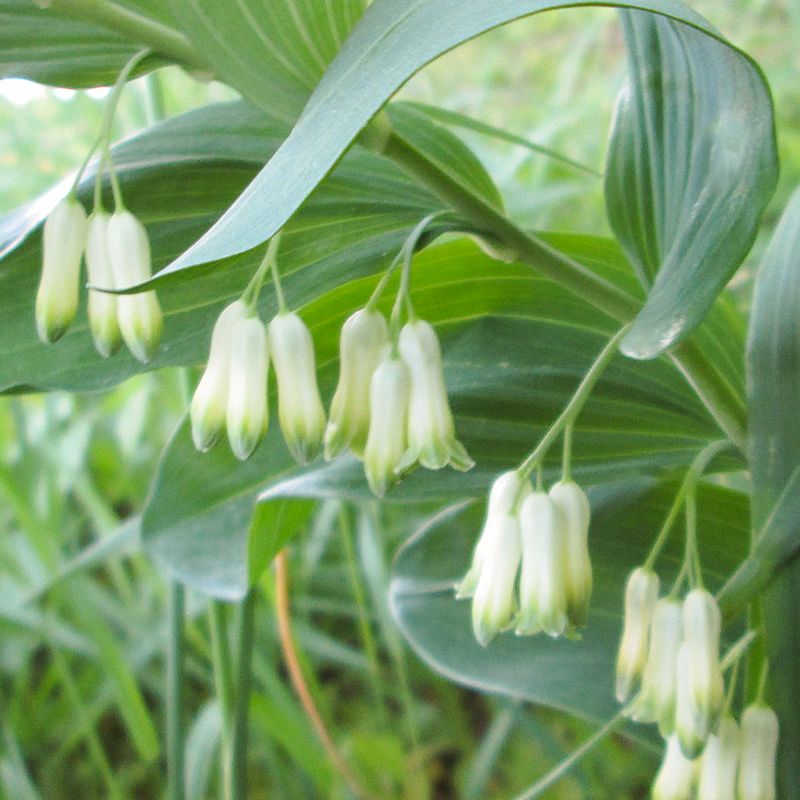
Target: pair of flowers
pixel 737 764
pixel 544 537
pixel 117 253
pixel 232 393
pixel 672 650
pixel 391 406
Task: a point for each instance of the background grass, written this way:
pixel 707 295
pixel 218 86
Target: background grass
pixel 83 619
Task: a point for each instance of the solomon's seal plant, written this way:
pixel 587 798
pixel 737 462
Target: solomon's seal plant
pixel 566 476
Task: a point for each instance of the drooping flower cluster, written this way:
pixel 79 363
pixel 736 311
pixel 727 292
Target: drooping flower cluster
pixel 232 392
pixel 391 405
pixel 543 536
pixel 670 656
pixel 736 764
pixel 117 252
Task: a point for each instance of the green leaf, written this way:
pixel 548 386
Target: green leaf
pixel 500 326
pixel 773 363
pixel 273 51
pixel 572 676
pixel 42 45
pixel 692 164
pixel 374 62
pixel 178 177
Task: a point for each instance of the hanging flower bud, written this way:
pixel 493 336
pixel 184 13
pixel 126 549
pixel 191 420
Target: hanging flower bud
pixel 247 415
pixel 387 440
pixel 759 747
pixel 102 305
pixel 676 777
pixel 656 700
pixel 431 430
pixel 300 410
pixel 139 315
pixel 543 591
pixel 210 400
pixel 63 240
pixel 701 688
pixel 507 491
pixel 641 595
pixel 572 515
pixel 720 762
pixel 363 339
pixel 493 603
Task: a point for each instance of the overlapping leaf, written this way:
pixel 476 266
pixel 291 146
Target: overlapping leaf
pixel 273 51
pixel 515 348
pixel 178 178
pixel 692 164
pixel 572 676
pixel 392 41
pixel 49 47
pixel 774 395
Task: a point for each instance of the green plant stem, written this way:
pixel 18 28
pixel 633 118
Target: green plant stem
pixel 268 263
pixel 244 662
pixel 573 758
pixel 122 20
pixel 697 468
pixel 725 406
pixel 573 408
pixel 175 671
pixel 223 683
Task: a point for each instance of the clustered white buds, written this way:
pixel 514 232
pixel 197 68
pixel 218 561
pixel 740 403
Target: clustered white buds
pixel 682 689
pixel 232 392
pixel 537 531
pixel 117 255
pixel 391 404
pixel 735 764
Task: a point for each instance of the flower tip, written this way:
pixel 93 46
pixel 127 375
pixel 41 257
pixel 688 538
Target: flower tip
pixel 484 632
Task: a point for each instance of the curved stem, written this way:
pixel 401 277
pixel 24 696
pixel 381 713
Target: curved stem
pixel 723 403
pixel 119 19
pixel 573 408
pixel 697 468
pixel 299 682
pixel 175 656
pixel 269 262
pixel 239 734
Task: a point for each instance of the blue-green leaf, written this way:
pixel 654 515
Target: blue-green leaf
pixel 692 164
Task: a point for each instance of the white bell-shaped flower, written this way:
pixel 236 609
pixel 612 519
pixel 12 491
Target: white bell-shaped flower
pixel 493 603
pixel 139 315
pixel 300 410
pixel 507 492
pixel 209 406
pixel 431 429
pixel 63 240
pixel 543 585
pixel 701 689
pixel 759 749
pixel 657 697
pixel 720 762
pixel 387 440
pixel 573 516
pixel 641 596
pixel 102 308
pixel 364 337
pixel 676 777
pixel 247 410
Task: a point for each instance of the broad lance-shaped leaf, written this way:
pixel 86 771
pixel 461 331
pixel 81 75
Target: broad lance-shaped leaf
pixel 273 51
pixel 178 177
pixel 392 41
pixel 573 676
pixel 44 45
pixel 692 164
pixel 773 364
pixel 515 347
